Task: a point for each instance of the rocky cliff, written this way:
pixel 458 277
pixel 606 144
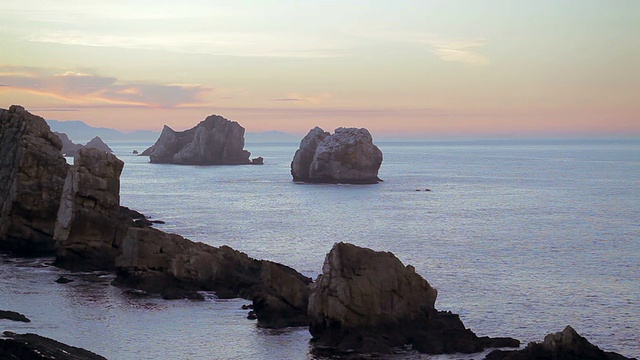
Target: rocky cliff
pixel 32 173
pixel 90 226
pixel 368 301
pixel 214 141
pixel 155 261
pixel 347 156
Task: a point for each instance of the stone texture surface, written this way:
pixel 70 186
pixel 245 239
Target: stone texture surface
pixel 564 345
pixel 32 173
pixel 346 156
pixel 368 301
pixel 214 141
pixel 35 347
pixel 156 261
pixel 90 225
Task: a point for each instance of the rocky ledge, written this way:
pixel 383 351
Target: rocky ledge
pixel 175 267
pixel 35 347
pixel 369 302
pixel 13 316
pixel 214 141
pixel 347 156
pixel 564 345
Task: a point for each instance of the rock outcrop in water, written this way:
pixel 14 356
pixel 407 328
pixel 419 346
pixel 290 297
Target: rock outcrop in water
pixel 35 347
pixel 347 156
pixel 214 141
pixel 564 345
pixel 32 173
pixel 90 225
pixel 70 149
pixel 155 261
pixel 13 316
pixel 368 301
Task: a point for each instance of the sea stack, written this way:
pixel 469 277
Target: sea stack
pixel 89 226
pixel 32 173
pixel 369 302
pixel 214 141
pixel 348 156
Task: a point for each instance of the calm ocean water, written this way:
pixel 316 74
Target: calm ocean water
pixel 521 238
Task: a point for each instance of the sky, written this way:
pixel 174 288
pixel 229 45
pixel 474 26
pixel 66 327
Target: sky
pixel 400 68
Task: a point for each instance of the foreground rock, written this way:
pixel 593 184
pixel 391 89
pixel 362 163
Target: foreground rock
pixel 347 156
pixel 564 345
pixel 368 301
pixel 155 261
pixel 35 347
pixel 32 173
pixel 90 226
pixel 13 316
pixel 214 141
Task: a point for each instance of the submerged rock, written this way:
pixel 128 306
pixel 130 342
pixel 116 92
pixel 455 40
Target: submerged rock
pixel 564 345
pixel 90 225
pixel 13 316
pixel 32 173
pixel 347 156
pixel 155 261
pixel 214 141
pixel 368 301
pixel 35 347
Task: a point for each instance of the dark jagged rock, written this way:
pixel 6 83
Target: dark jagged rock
pixel 68 147
pixel 13 316
pixel 368 301
pixel 32 173
pixel 90 225
pixel 35 347
pixel 153 261
pixel 347 156
pixel 214 141
pixel 257 161
pixel 97 143
pixel 564 345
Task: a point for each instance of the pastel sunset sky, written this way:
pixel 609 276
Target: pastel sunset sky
pixel 404 68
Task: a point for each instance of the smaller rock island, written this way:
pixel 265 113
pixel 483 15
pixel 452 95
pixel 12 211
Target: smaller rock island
pixel 348 156
pixel 214 141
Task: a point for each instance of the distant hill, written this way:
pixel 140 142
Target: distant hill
pixel 270 136
pixel 79 131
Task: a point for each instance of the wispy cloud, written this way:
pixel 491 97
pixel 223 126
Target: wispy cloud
pixel 446 48
pixel 89 88
pixel 304 98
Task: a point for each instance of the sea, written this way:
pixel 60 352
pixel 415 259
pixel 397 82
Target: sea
pixel 520 237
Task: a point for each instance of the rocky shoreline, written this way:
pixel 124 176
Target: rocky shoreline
pixel 365 301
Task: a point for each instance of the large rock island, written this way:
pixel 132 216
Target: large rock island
pixel 368 301
pixel 347 156
pixel 214 141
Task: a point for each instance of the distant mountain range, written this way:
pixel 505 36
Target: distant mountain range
pixel 79 131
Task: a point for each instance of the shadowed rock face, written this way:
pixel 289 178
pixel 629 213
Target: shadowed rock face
pixel 70 149
pixel 347 156
pixel 214 141
pixel 155 261
pixel 32 173
pixel 564 345
pixel 35 347
pixel 89 226
pixel 368 301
